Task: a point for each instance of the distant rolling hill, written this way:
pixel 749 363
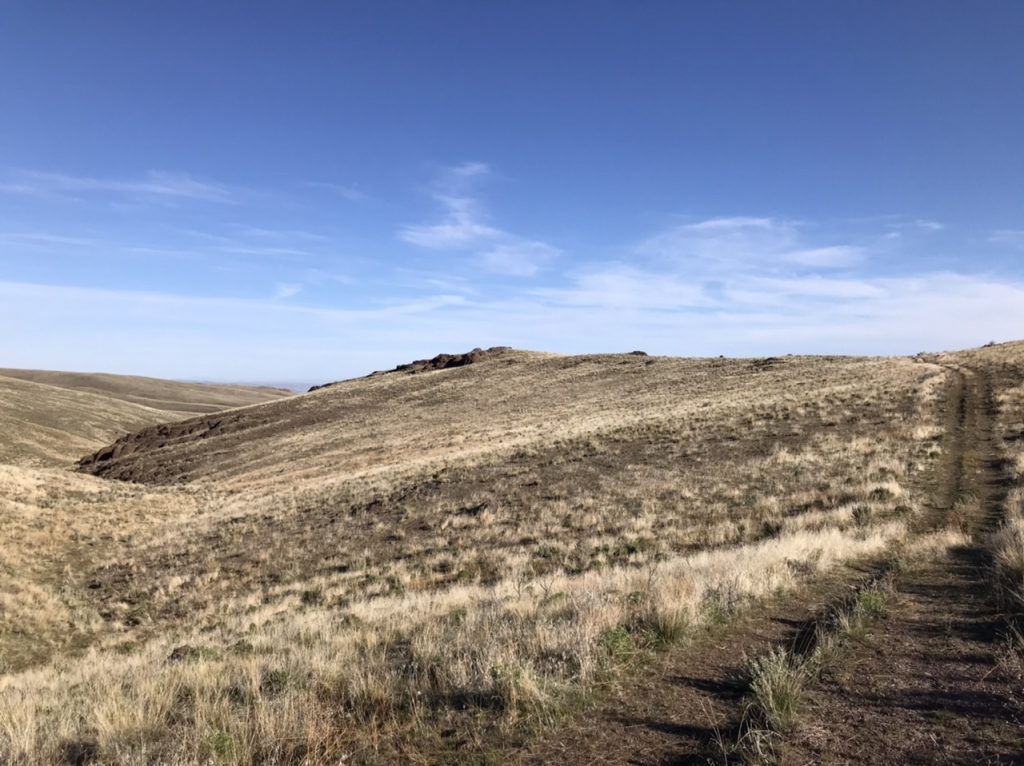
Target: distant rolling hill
pixel 173 395
pixel 406 420
pixel 50 418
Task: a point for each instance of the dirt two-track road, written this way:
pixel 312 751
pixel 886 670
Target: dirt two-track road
pixel 924 685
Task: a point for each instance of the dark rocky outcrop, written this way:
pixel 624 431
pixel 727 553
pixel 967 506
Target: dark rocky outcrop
pixel 439 362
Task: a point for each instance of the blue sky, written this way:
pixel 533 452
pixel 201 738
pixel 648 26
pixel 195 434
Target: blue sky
pixel 302 192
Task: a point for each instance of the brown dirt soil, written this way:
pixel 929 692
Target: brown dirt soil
pixel 924 688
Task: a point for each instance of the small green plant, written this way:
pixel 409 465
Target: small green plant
pixel 457 616
pixel 862 515
pixel 274 681
pixel 873 604
pixel 221 745
pixel 619 643
pixel 720 604
pixel 516 690
pixel 242 648
pixel 662 627
pixel 777 681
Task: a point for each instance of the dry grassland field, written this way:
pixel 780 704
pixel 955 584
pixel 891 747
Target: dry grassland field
pixel 530 558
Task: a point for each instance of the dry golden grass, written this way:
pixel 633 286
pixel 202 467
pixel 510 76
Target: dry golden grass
pixel 53 520
pixel 53 418
pixel 155 393
pixel 351 573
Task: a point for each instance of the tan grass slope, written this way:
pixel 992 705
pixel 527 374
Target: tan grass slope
pixel 514 398
pixel 52 418
pixel 173 395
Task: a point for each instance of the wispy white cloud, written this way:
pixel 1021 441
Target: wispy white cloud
pixel 281 234
pixel 285 290
pixel 345 191
pixel 619 286
pixel 616 308
pixel 736 223
pixel 48 239
pixel 163 252
pixel 725 245
pixel 469 170
pixel 465 225
pixel 720 242
pixel 519 258
pixel 765 290
pixel 900 225
pixel 153 185
pixel 257 242
pixel 263 251
pixel 316 276
pixel 835 256
pixel 1013 237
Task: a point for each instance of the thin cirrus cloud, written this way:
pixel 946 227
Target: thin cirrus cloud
pixel 461 227
pixel 730 267
pixel 611 309
pixel 153 185
pixel 1012 237
pixel 618 286
pixel 281 234
pixel 733 223
pixel 720 243
pixel 832 257
pixel 465 226
pixel 284 291
pixel 519 258
pixel 731 284
pixel 46 239
pixel 729 243
pixel 345 191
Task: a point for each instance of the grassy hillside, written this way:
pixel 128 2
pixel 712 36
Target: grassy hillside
pixel 53 418
pixel 408 567
pixel 53 520
pixel 170 395
pixel 392 423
